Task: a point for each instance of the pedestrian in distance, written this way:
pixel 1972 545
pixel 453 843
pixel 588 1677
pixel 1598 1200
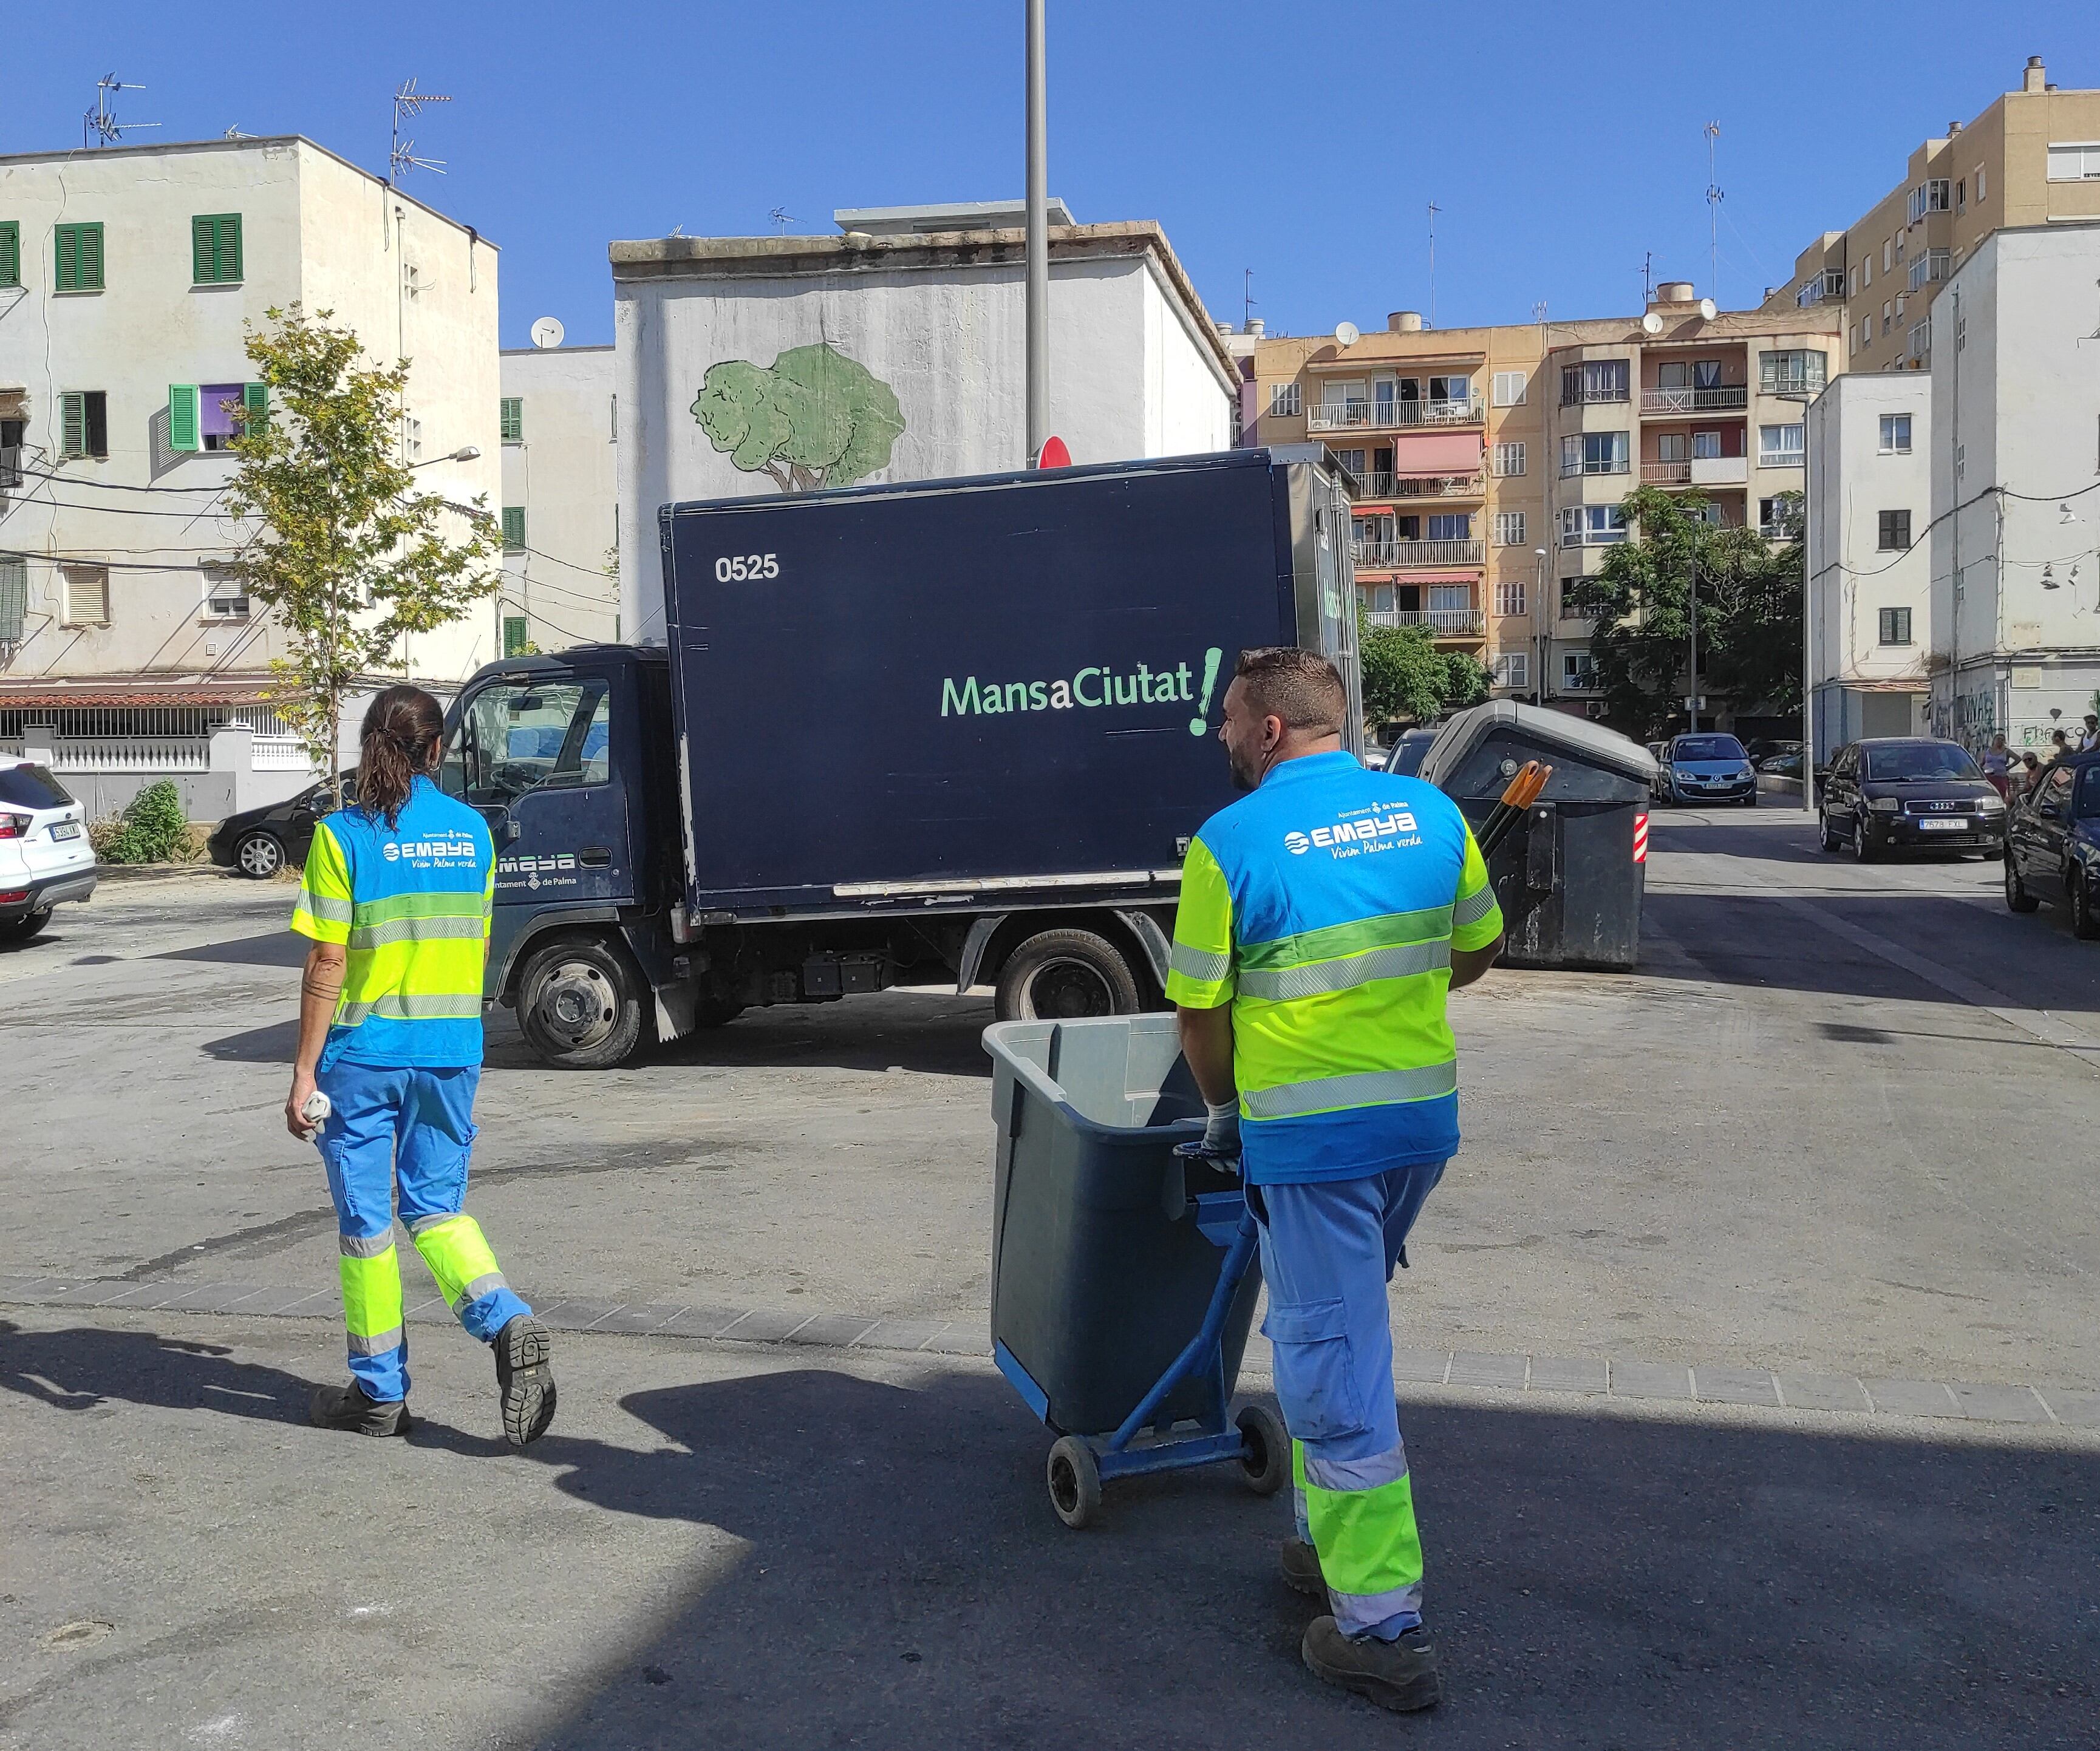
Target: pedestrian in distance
pixel 2091 739
pixel 397 901
pixel 2059 747
pixel 1996 760
pixel 1323 920
pixel 2026 775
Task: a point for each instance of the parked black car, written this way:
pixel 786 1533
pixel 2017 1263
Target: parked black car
pixel 1909 793
pixel 1406 756
pixel 259 842
pixel 2052 844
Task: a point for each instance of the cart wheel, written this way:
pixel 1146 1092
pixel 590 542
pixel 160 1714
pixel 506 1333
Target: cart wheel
pixel 1075 1481
pixel 1264 1448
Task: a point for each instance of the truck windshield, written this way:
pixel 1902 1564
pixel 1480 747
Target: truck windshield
pixel 516 736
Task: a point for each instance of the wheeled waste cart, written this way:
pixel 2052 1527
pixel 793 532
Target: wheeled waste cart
pixel 1123 1271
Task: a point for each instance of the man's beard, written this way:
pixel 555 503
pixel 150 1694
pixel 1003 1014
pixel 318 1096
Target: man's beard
pixel 1245 776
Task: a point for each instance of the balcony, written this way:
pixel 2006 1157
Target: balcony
pixel 1391 416
pixel 1666 473
pixel 1721 398
pixel 1699 471
pixel 1781 459
pixel 1395 556
pixel 1444 622
pixel 1610 465
pixel 1376 485
pixel 1592 394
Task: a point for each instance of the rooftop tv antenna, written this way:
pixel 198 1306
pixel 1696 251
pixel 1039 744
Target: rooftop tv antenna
pixel 1433 209
pixel 1713 198
pixel 1247 301
pixel 782 219
pixel 98 126
pixel 401 157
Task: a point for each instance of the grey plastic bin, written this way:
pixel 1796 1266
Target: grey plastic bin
pixel 1100 1273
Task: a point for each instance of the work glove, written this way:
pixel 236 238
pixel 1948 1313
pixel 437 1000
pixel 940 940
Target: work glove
pixel 1221 1131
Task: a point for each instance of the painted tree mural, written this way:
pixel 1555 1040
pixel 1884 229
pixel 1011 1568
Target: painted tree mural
pixel 816 419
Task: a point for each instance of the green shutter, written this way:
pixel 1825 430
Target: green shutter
pixel 14 597
pixel 514 528
pixel 65 252
pixel 255 403
pixel 514 635
pixel 229 246
pixel 10 253
pixel 203 247
pixel 182 433
pixel 73 423
pixel 512 419
pixel 215 248
pixel 78 250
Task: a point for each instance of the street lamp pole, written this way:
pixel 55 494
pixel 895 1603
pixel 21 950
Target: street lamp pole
pixel 1692 688
pixel 1808 456
pixel 1037 221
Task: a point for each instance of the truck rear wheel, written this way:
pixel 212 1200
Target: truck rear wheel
pixel 580 1004
pixel 1063 975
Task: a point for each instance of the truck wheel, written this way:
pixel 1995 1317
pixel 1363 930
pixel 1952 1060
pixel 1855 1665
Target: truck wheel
pixel 580 1004
pixel 1062 975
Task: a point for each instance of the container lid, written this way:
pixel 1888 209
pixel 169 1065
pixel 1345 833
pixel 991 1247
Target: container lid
pixel 1591 743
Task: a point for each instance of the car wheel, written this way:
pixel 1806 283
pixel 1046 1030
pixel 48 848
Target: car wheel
pixel 580 1004
pixel 2018 899
pixel 2084 922
pixel 1831 841
pixel 21 929
pixel 259 855
pixel 1750 801
pixel 1864 849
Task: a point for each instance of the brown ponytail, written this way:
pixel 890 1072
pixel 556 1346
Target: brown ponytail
pixel 395 749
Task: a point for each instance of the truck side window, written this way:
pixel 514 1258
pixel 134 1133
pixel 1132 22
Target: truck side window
pixel 2088 794
pixel 519 736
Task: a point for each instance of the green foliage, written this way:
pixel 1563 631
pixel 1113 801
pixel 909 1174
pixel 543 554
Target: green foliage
pixel 154 829
pixel 816 419
pixel 1405 675
pixel 1641 599
pixel 351 559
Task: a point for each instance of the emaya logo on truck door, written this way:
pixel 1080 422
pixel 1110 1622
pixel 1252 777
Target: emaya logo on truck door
pixel 1091 688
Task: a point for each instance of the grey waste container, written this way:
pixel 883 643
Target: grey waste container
pixel 1569 879
pixel 1101 1270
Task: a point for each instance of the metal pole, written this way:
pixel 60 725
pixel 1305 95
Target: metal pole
pixel 1810 457
pixel 1692 692
pixel 1038 235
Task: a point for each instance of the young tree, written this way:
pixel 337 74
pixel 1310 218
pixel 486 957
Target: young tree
pixel 1641 599
pixel 1405 675
pixel 816 419
pixel 349 556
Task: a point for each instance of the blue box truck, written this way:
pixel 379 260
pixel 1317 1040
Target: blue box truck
pixel 956 728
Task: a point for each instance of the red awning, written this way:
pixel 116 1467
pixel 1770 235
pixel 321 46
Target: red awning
pixel 1435 577
pixel 1416 453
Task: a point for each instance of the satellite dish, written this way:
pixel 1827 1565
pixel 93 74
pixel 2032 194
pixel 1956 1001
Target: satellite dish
pixel 1707 308
pixel 1347 334
pixel 547 332
pixel 1651 324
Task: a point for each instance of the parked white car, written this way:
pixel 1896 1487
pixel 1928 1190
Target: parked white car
pixel 45 856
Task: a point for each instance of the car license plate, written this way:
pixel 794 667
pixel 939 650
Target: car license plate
pixel 1944 827
pixel 65 830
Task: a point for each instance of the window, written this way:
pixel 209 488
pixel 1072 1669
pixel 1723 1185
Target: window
pixel 1705 446
pixel 1921 339
pixel 514 527
pixel 1451 525
pixel 215 249
pixel 1929 196
pixel 411 438
pixel 77 249
pixel 1513 669
pixel 1961 196
pixel 1283 402
pixel 518 736
pixel 1852 282
pixel 1887 324
pixel 1669 447
pixel 14 597
pixel 1352 460
pixel 10 253
pixel 1796 372
pixel 1571 598
pixel 1894 536
pixel 1509 529
pixel 1509 388
pixel 1778 447
pixel 2078 162
pixel 1509 596
pixel 209 415
pixel 515 637
pixel 612 419
pixel 1592 525
pixel 86 593
pixel 1509 459
pixel 225 596
pixel 1979 183
pixel 511 419
pixel 1779 519
pixel 1450 599
pixel 1888 253
pixel 1895 626
pixel 1459 389
pixel 1866 273
pixel 1594 453
pixel 1578 671
pixel 84 422
pixel 1600 380
pixel 1929 264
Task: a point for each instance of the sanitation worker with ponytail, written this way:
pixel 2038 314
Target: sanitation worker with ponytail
pixel 1323 919
pixel 396 900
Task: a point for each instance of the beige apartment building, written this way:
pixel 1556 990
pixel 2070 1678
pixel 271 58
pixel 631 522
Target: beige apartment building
pixel 1488 464
pixel 2032 158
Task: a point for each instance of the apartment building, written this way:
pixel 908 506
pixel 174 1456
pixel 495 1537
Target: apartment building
pixel 1870 559
pixel 129 276
pixel 2032 158
pixel 1488 464
pixel 561 510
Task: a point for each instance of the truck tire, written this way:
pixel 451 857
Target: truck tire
pixel 580 1004
pixel 1063 975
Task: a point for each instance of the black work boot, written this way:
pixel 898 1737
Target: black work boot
pixel 524 1382
pixel 1300 1563
pixel 348 1408
pixel 1400 1675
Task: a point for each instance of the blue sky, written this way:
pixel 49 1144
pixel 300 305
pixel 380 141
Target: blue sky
pixel 1562 143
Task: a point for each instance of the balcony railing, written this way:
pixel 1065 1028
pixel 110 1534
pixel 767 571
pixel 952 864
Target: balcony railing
pixel 1590 394
pixel 1446 623
pixel 1719 398
pixel 1666 473
pixel 1375 415
pixel 1781 459
pixel 1377 485
pixel 1610 465
pixel 1697 471
pixel 1790 386
pixel 1391 556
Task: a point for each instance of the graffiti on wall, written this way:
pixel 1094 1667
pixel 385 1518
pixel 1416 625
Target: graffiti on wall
pixel 815 419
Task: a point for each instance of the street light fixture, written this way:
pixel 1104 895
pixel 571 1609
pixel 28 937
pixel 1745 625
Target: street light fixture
pixel 466 453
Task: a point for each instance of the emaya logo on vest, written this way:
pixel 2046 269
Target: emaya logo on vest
pixel 428 851
pixel 1090 688
pixel 1345 838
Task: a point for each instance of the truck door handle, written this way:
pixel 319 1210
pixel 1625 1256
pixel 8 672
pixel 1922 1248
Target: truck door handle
pixel 595 854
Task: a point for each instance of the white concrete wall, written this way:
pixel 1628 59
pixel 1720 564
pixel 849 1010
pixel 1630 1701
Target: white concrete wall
pixel 563 471
pixel 1127 380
